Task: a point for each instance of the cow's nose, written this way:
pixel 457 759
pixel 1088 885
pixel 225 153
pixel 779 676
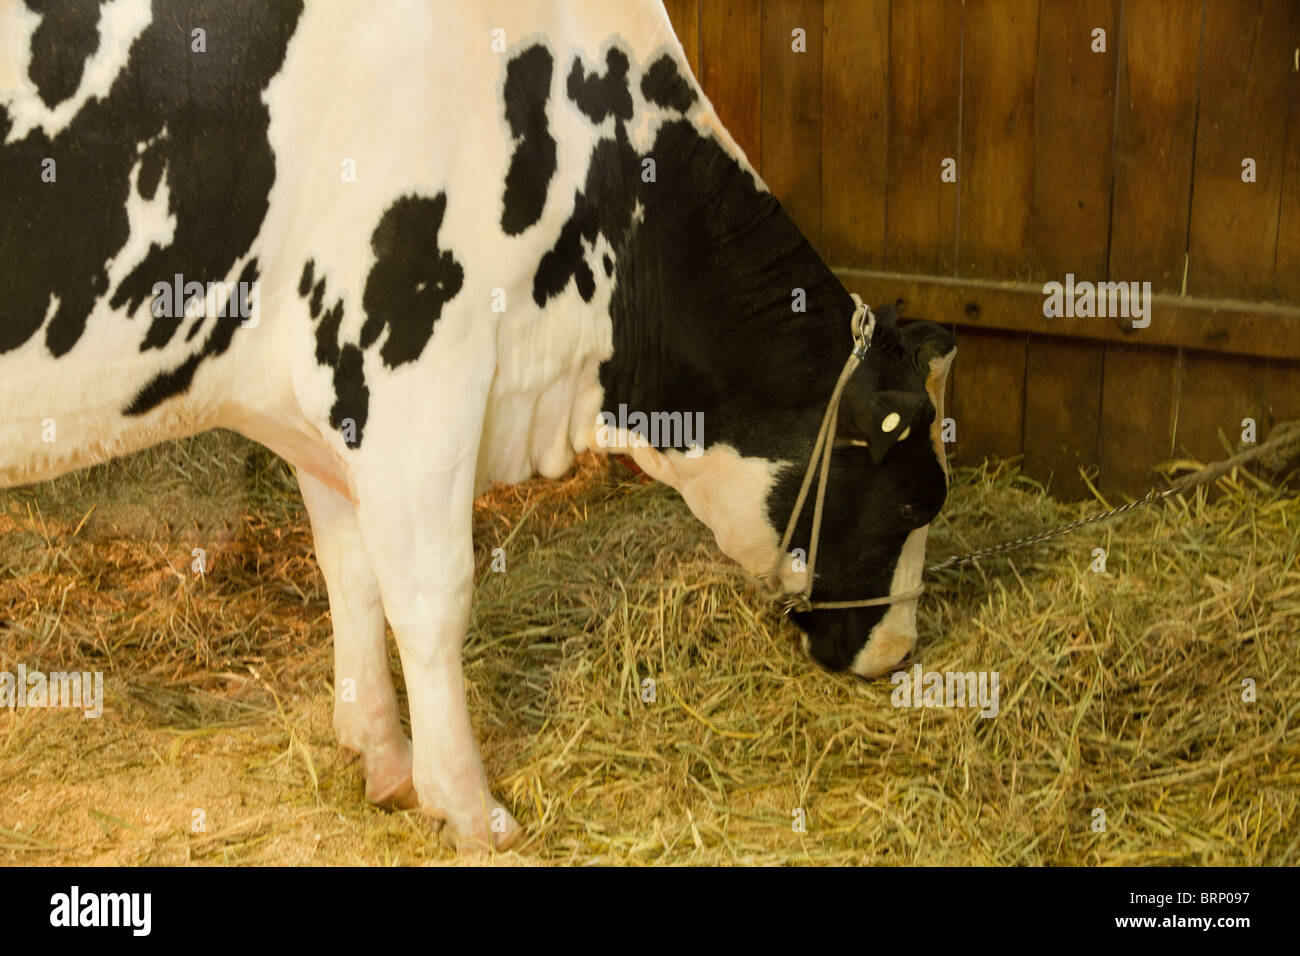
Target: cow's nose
pixel 890 641
pixel 893 638
pixel 884 650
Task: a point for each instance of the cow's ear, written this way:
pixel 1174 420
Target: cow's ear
pixel 926 342
pixel 879 418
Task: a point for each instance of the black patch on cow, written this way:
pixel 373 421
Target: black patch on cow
pixel 565 262
pixel 169 384
pixel 527 89
pixel 711 262
pixel 162 329
pixel 317 296
pixel 327 336
pixel 57 238
pixel 604 206
pixel 351 394
pixel 600 96
pixel 608 263
pixel 412 278
pixel 308 276
pixel 664 86
pixel 410 282
pixel 67 36
pixel 605 203
pixel 352 397
pixel 711 255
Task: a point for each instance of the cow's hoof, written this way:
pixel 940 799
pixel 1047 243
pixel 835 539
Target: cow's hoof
pixel 388 778
pixel 399 796
pixel 497 831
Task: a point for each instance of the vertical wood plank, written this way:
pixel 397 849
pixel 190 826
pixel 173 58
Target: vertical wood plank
pixel 924 106
pixel 731 69
pixel 1159 45
pixel 1139 385
pixel 988 394
pixel 1062 413
pixel 1215 393
pixel 1074 126
pixel 996 169
pixel 1159 49
pixel 924 129
pixel 1248 63
pixel 855 128
pixel 995 184
pixel 1286 259
pixel 1283 391
pixel 685 17
pixel 792 110
pixel 1281 394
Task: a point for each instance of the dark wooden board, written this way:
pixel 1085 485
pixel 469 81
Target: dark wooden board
pixel 1138 392
pixel 731 69
pixel 792 110
pixel 996 166
pixel 988 394
pixel 924 106
pixel 1286 258
pixel 1062 413
pixel 1215 393
pixel 1155 129
pixel 855 128
pixel 1247 66
pixel 1074 129
pixel 685 17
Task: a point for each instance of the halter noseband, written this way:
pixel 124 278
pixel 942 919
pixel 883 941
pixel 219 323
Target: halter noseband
pixel 863 325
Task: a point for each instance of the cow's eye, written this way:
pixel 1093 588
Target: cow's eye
pixel 907 513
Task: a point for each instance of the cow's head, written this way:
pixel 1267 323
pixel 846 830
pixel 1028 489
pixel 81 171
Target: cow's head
pixel 888 480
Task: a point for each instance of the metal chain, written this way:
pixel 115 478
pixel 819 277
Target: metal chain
pixel 960 559
pixel 1283 435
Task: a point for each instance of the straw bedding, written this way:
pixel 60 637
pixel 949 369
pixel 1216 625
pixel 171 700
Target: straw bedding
pixel 1120 692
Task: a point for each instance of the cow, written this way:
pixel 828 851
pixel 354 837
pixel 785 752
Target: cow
pixel 417 248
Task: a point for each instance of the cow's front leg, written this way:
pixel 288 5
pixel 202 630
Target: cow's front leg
pixel 417 533
pixel 366 718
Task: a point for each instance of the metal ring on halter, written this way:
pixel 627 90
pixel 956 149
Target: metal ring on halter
pixel 863 325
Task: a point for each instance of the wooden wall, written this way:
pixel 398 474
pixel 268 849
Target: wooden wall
pixel 1121 165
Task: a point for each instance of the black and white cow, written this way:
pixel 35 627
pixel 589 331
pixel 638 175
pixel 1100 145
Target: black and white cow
pixel 441 238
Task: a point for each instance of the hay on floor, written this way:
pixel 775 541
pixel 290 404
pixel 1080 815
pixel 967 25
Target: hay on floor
pixel 1120 692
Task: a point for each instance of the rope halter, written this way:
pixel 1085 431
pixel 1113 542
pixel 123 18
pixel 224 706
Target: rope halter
pixel 863 326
